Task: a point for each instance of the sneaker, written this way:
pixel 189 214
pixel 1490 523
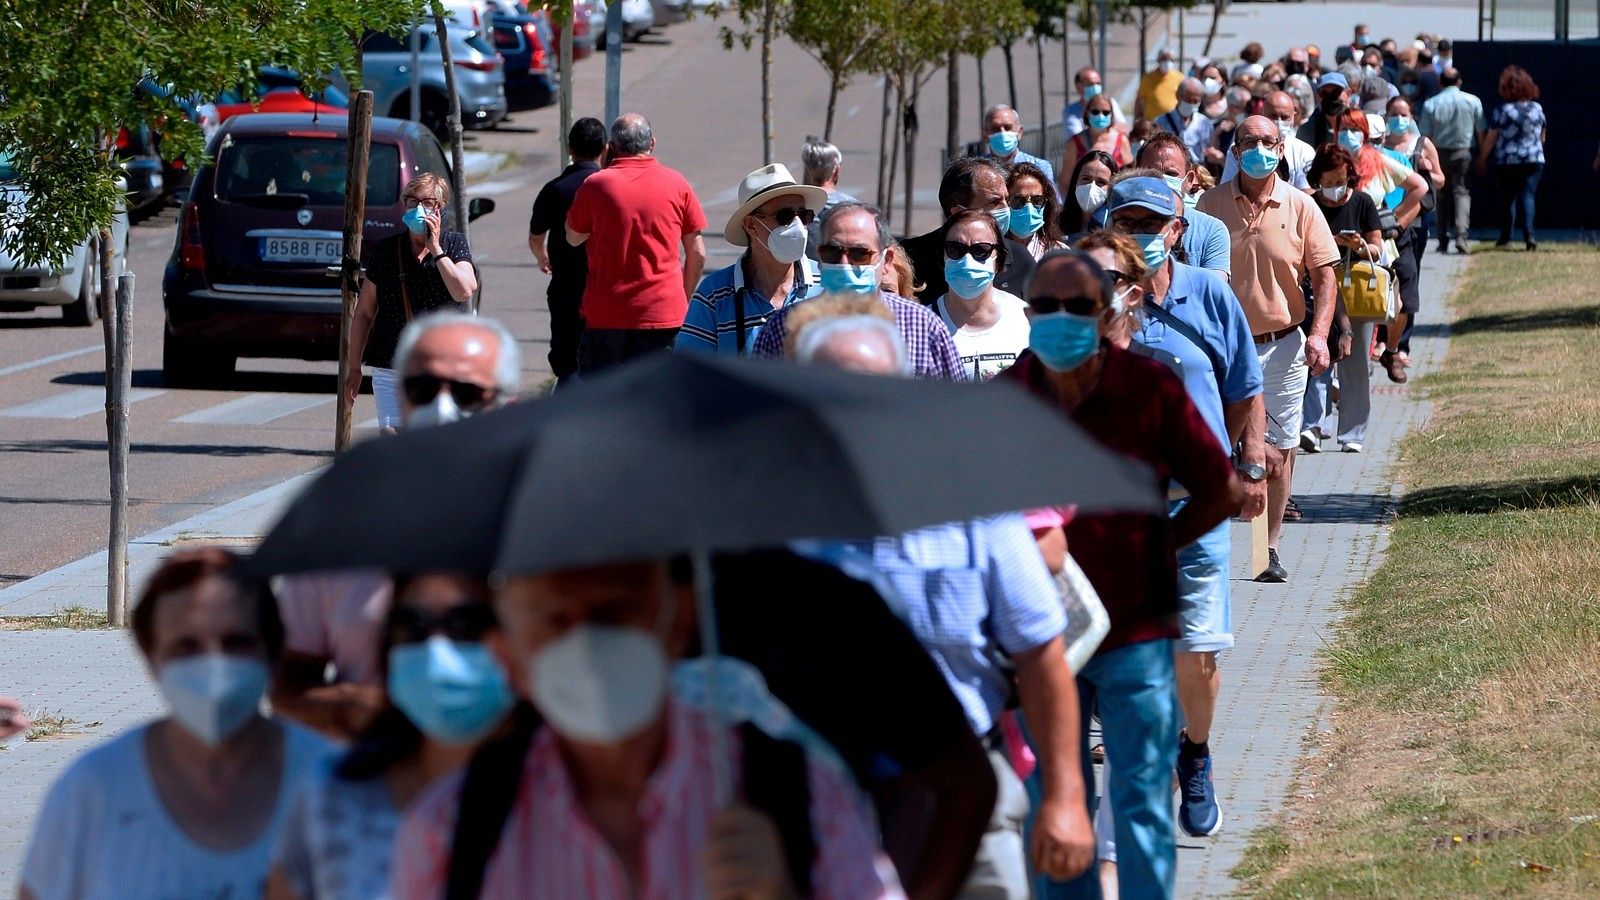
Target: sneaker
pixel 1309 442
pixel 1351 447
pixel 1274 573
pixel 1462 248
pixel 1198 812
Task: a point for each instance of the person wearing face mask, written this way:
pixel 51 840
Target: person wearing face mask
pixel 1203 240
pixel 455 365
pixel 1158 89
pixel 971 182
pixel 1035 225
pixel 1402 137
pixel 445 692
pixel 1186 121
pixel 1098 134
pixel 1213 84
pixel 1333 94
pixel 1282 109
pixel 1222 134
pixel 1135 406
pixel 1279 240
pixel 189 805
pixel 423 268
pixel 989 325
pixel 618 793
pixel 771 222
pixel 1086 83
pixel 1090 183
pixel 1002 133
pixel 855 249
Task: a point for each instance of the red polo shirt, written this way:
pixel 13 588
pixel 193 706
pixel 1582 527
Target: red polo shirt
pixel 1139 409
pixel 636 213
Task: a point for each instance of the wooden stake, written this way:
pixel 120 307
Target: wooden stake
pixel 359 149
pixel 119 379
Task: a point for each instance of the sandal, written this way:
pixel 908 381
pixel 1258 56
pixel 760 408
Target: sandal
pixel 1397 372
pixel 1292 513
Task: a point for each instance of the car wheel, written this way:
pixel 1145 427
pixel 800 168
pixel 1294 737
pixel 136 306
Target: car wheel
pixel 436 117
pixel 191 364
pixel 83 310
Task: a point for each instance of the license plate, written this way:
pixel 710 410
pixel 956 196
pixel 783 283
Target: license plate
pixel 300 250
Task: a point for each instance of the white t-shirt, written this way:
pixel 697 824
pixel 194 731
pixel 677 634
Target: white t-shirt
pixel 336 843
pixel 988 352
pixel 103 831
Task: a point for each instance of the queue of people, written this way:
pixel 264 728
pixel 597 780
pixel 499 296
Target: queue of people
pixel 910 724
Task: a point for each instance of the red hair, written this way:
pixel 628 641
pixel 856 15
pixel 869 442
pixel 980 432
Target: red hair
pixel 1516 84
pixel 1368 162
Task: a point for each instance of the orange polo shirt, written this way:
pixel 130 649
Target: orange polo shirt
pixel 1272 254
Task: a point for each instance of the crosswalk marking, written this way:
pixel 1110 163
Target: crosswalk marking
pixel 73 404
pixel 253 409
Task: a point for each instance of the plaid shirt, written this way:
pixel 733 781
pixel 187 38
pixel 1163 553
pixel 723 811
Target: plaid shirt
pixel 928 344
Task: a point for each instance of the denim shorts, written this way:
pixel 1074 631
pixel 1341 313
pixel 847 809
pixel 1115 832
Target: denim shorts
pixel 1205 616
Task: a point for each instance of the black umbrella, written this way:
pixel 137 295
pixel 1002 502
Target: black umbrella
pixel 680 452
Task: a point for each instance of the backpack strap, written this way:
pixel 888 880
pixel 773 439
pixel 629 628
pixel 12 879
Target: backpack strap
pixel 738 311
pixel 490 788
pixel 1187 330
pixel 777 782
pixel 400 263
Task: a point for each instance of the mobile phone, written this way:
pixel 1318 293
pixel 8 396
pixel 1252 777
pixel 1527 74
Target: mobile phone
pixel 1349 232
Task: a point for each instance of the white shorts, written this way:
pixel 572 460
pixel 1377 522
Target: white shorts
pixel 386 392
pixel 1283 387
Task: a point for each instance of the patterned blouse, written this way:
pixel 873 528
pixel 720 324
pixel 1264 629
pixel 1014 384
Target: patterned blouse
pixel 1520 124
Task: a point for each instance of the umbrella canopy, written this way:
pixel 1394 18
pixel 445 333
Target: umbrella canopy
pixel 681 452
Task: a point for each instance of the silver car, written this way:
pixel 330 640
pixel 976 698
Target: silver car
pixel 480 78
pixel 74 285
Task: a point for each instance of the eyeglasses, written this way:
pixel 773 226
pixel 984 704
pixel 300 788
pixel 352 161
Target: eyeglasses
pixel 979 251
pixel 1078 306
pixel 421 389
pixel 469 621
pixel 430 203
pixel 1267 142
pixel 833 254
pixel 786 215
pixel 1144 225
pixel 1021 200
pixel 1119 276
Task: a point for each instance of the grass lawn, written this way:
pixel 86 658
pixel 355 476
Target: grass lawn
pixel 1465 754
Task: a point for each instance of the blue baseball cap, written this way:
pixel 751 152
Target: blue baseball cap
pixel 1332 78
pixel 1153 194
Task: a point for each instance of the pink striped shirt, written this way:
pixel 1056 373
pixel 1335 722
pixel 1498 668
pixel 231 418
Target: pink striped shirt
pixel 551 849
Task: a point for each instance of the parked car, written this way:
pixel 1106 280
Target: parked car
pixel 523 42
pixel 74 285
pixel 480 77
pixel 139 153
pixel 584 37
pixel 276 90
pixel 264 220
pixel 638 16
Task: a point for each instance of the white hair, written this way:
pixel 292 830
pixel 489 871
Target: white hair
pixel 999 108
pixel 819 159
pixel 816 335
pixel 508 362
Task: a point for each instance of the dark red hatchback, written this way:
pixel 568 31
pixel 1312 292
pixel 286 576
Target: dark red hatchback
pixel 249 272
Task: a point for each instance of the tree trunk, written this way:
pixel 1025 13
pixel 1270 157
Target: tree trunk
pixel 910 120
pixel 894 148
pixel 952 128
pixel 1011 73
pixel 458 162
pixel 1218 7
pixel 565 65
pixel 1038 54
pixel 115 310
pixel 835 85
pixel 357 154
pixel 983 87
pixel 769 15
pixel 1088 31
pixel 1066 53
pixel 1144 39
pixel 883 148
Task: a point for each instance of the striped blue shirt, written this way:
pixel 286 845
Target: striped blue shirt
pixel 712 323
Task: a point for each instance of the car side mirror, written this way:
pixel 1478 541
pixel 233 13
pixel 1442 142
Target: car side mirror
pixel 479 206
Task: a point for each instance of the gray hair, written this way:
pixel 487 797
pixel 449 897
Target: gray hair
pixel 817 335
pixel 1237 96
pixel 631 135
pixel 998 108
pixel 1352 76
pixel 884 238
pixel 508 364
pixel 819 159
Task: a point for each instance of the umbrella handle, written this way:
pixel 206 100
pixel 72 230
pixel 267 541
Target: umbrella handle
pixel 705 605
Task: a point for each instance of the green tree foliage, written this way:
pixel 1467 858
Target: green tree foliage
pixel 839 35
pixel 71 76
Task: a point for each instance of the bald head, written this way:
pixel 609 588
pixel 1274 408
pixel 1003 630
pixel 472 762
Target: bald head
pixel 867 345
pixel 631 136
pixel 1256 128
pixel 1282 105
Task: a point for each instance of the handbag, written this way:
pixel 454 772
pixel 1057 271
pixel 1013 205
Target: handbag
pixel 1365 288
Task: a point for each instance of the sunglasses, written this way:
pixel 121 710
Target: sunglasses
pixel 785 216
pixel 469 621
pixel 421 389
pixel 980 251
pixel 1078 306
pixel 1021 200
pixel 833 254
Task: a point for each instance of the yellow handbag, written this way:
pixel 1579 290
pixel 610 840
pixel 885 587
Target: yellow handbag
pixel 1365 286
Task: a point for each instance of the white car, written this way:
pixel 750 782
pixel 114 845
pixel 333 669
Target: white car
pixel 637 18
pixel 74 285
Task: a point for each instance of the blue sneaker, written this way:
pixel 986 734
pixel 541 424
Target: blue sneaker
pixel 1199 815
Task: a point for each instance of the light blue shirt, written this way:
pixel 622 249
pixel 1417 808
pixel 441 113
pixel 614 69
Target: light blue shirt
pixel 712 322
pixel 968 591
pixel 1195 133
pixel 1451 119
pixel 1206 241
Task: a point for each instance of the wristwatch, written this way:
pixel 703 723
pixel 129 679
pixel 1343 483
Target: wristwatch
pixel 1251 471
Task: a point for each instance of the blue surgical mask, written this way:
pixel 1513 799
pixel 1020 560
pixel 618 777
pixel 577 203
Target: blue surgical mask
pixel 1174 181
pixel 1027 221
pixel 1258 162
pixel 416 220
pixel 1092 91
pixel 1154 248
pixel 967 277
pixel 1002 217
pixel 1063 341
pixel 847 279
pixel 1100 120
pixel 453 691
pixel 1352 141
pixel 1003 143
pixel 1399 124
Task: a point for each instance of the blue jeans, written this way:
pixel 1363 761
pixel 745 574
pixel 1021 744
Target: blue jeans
pixel 1518 182
pixel 1134 689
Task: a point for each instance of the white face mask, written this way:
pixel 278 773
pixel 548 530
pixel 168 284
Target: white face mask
pixel 599 684
pixel 1285 128
pixel 442 411
pixel 1089 196
pixel 1211 86
pixel 213 695
pixel 1166 65
pixel 787 244
pixel 1119 302
pixel 1336 193
pixel 1186 109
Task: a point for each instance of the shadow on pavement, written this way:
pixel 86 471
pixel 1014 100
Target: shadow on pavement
pixel 19 322
pixel 1344 509
pixel 1533 493
pixel 221 450
pixel 244 382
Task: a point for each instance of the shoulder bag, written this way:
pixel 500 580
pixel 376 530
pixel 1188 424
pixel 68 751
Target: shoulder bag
pixel 1365 287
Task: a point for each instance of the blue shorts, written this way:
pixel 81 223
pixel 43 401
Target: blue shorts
pixel 1205 616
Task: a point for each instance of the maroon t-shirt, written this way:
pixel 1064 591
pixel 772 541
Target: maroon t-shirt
pixel 1139 409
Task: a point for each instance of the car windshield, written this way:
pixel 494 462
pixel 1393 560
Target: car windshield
pixel 269 165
